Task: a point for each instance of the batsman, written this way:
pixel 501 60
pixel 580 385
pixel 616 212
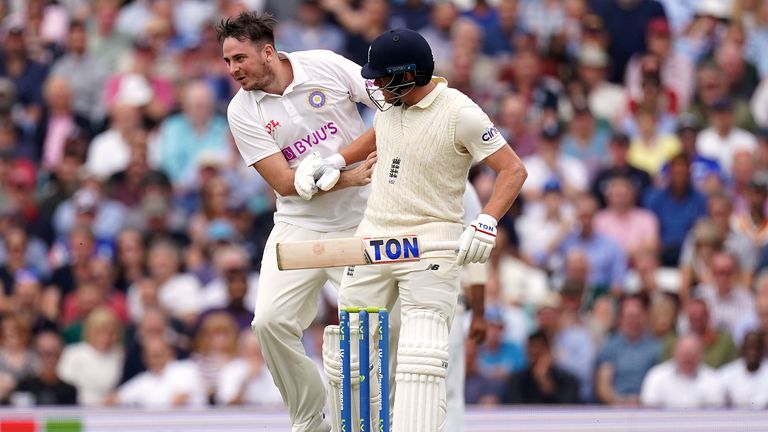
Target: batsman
pixel 427 137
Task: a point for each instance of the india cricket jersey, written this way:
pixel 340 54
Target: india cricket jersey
pixel 316 113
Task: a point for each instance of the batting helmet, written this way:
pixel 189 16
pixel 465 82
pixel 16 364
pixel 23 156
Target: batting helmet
pixel 398 51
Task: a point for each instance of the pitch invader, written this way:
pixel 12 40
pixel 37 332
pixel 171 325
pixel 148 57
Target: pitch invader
pixel 291 108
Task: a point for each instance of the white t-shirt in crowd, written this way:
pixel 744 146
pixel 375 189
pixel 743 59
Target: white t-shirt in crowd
pixel 569 170
pixel 744 389
pixel 214 294
pixel 316 113
pixel 722 149
pixel 260 390
pixel 148 390
pixel 95 374
pixel 664 387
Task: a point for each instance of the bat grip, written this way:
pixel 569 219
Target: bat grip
pixel 447 245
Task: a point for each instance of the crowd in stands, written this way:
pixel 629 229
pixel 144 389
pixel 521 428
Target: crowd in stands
pixel 632 270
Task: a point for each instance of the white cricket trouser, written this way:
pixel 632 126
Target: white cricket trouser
pixel 430 285
pixel 286 305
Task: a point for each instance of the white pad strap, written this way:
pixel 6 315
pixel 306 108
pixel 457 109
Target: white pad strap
pixel 422 361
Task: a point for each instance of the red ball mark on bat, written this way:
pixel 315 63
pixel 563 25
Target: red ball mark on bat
pixel 318 249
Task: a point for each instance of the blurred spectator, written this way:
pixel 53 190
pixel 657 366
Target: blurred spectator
pixel 215 346
pixel 498 358
pixel 309 30
pixel 695 268
pixel 28 75
pixel 718 347
pixel 648 277
pixel 185 136
pixel 633 228
pixel 586 140
pixel 110 151
pixel 741 77
pixel 438 33
pixel 58 122
pixel 541 93
pixel 234 289
pixel 743 168
pixel 627 356
pixel 711 88
pixel 745 381
pixel 153 324
pixel 45 386
pixel 167 382
pixel 542 382
pixel 130 259
pixel 723 139
pixel 246 380
pixel 683 382
pixel 519 283
pixel 758 320
pixel 607 101
pixel 75 267
pixel 706 173
pixel 751 222
pixel 663 316
pixel 728 300
pixel 677 206
pixel 20 193
pixel 94 365
pixel 651 148
pixel 177 292
pixel 86 76
pixel 626 22
pixel 105 43
pixel 607 262
pixel 550 163
pixel 97 290
pixel 514 126
pixel 361 25
pixel 478 388
pixel 89 207
pixel 675 68
pixel 19 252
pixel 16 358
pixel 619 165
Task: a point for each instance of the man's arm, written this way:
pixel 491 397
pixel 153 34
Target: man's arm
pixel 510 176
pixel 359 149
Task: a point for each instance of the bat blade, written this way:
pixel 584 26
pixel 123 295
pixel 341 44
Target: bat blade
pixel 347 251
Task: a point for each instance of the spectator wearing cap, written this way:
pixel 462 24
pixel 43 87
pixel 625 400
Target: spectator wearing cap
pixel 706 174
pixel 632 227
pixel 586 140
pixel 550 163
pixel 607 101
pixel 676 206
pixel 745 380
pixel 627 356
pixel 626 23
pixel 89 207
pixel 45 386
pixel 497 358
pixel 27 75
pixel 310 30
pixel 607 261
pixel 674 69
pixel 58 122
pixel 651 148
pixel 110 152
pixel 684 381
pixel 751 222
pixel 85 74
pixel 196 129
pixel 619 165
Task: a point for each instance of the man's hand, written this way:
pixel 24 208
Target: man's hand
pixel 328 172
pixel 478 239
pixel 477 328
pixel 304 178
pixel 361 174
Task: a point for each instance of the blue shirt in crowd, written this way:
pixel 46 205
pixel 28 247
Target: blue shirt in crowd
pixel 631 360
pixel 676 215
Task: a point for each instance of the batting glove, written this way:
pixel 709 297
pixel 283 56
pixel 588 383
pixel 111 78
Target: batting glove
pixel 303 179
pixel 327 174
pixel 478 239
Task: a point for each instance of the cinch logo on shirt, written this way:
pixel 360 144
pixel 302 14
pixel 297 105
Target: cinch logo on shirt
pixel 490 133
pixel 312 139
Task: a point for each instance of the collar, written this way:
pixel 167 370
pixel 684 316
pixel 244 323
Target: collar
pixel 299 76
pixel 427 100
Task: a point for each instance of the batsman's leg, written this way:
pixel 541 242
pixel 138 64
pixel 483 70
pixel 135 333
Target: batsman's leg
pixel 454 421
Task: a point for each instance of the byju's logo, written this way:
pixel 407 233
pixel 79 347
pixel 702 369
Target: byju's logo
pixel 490 133
pixel 394 170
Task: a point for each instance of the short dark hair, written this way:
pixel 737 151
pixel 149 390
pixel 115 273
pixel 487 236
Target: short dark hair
pixel 249 25
pixel 539 336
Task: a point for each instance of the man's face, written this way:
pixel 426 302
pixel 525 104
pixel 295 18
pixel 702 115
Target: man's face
pixel 390 97
pixel 248 63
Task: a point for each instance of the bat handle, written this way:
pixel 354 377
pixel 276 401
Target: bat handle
pixel 447 245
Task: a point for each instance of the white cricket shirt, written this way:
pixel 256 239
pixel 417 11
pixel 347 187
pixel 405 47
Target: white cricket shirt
pixel 316 113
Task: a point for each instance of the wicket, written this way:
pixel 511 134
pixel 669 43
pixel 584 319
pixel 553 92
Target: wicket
pixel 346 368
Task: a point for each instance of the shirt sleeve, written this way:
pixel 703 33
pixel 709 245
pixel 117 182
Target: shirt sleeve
pixel 349 73
pixel 476 134
pixel 251 137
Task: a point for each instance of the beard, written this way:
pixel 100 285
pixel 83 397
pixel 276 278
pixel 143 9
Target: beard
pixel 263 79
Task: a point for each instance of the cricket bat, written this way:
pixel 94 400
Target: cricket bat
pixel 355 251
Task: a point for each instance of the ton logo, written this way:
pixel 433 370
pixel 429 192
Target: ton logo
pixel 394 249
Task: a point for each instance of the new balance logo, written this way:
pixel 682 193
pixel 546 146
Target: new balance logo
pixel 433 266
